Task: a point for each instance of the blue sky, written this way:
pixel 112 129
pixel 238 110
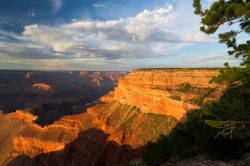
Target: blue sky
pixel 105 35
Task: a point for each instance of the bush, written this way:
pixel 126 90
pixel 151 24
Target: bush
pixel 176 97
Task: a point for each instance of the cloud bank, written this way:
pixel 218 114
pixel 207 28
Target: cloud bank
pixel 79 44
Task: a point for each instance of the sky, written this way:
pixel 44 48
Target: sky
pixel 105 35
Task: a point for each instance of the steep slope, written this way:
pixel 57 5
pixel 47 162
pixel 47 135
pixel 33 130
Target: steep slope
pixel 128 125
pixel 147 103
pixel 105 135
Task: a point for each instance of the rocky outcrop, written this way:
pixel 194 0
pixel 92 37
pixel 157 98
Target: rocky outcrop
pixel 158 91
pixel 108 98
pixel 42 86
pixel 99 78
pixel 128 125
pixel 115 76
pixel 21 136
pixel 34 146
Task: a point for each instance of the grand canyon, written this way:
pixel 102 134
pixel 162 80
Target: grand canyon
pixel 145 104
pixel 124 83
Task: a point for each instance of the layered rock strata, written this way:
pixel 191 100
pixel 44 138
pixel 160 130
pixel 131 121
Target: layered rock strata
pixel 21 136
pixel 144 106
pixel 153 90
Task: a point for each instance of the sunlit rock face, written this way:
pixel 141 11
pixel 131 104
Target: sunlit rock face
pixel 41 86
pixel 127 125
pixel 21 136
pixel 146 104
pixel 153 90
pixel 108 98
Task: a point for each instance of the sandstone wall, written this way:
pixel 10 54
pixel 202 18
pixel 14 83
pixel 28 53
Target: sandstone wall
pixel 151 89
pixel 21 136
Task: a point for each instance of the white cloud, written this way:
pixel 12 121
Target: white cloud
pixel 133 37
pixel 149 34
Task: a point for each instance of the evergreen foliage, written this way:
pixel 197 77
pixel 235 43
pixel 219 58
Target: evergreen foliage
pixel 233 13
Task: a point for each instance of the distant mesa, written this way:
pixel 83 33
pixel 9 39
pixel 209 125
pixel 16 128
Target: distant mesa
pixel 97 79
pixel 42 86
pixel 114 76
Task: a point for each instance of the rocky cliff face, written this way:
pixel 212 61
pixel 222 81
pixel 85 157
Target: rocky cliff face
pixel 144 106
pixel 21 136
pixel 166 91
pixel 126 124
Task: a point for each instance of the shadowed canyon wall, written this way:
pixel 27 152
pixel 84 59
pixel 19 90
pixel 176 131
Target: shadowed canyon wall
pixel 53 94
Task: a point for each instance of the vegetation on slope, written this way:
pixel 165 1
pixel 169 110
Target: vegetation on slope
pixel 195 136
pixel 133 126
pixel 201 93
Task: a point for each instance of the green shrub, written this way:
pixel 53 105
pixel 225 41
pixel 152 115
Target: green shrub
pixel 176 97
pixel 185 87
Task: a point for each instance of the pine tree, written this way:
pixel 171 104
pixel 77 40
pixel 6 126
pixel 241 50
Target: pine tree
pixel 232 13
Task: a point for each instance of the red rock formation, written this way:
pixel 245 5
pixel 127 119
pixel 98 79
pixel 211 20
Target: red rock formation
pixel 108 98
pixel 97 78
pixel 138 113
pixel 151 89
pixel 114 76
pixel 41 86
pixel 34 146
pixel 20 135
pixel 128 125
